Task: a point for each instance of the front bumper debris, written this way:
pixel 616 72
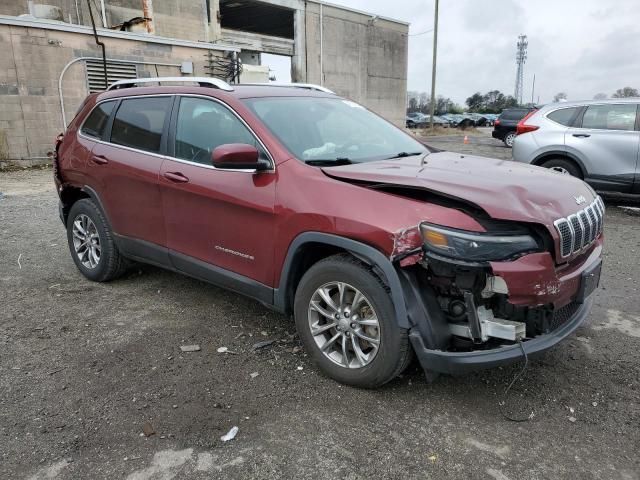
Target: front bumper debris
pixel 461 362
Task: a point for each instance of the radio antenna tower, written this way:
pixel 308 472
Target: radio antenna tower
pixel 521 58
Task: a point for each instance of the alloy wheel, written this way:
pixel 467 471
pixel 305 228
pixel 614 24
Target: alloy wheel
pixel 86 241
pixel 510 139
pixel 344 325
pixel 561 170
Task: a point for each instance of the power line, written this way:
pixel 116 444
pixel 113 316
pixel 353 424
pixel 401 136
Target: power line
pixel 421 33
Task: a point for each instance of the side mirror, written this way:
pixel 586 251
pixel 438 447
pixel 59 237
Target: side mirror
pixel 236 156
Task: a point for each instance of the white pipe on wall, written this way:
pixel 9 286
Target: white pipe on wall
pixel 104 15
pixel 109 60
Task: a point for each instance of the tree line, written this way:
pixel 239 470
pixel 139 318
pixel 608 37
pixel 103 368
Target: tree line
pixel 421 102
pixel 493 101
pixel 625 92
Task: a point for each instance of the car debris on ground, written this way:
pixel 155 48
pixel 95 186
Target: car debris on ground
pixel 189 348
pixel 230 435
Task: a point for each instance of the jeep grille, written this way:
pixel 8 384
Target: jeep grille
pixel 578 231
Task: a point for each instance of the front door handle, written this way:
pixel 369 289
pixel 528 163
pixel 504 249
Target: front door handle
pixel 581 135
pixel 176 177
pixel 99 159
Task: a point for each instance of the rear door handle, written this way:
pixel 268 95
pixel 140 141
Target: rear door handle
pixel 99 159
pixel 581 135
pixel 176 177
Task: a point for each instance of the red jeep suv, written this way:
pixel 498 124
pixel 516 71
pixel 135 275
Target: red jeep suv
pixel 379 246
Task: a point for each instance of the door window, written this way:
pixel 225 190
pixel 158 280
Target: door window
pixel 203 125
pixel 139 123
pixel 97 121
pixel 610 117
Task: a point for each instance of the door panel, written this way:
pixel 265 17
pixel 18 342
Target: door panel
pixel 607 144
pixel 128 167
pixel 130 192
pixel 221 217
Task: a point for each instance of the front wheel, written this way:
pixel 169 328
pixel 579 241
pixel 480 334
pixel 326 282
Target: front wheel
pixel 509 139
pixel 346 321
pixel 565 167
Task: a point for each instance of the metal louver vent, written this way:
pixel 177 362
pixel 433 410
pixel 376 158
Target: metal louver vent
pixel 115 71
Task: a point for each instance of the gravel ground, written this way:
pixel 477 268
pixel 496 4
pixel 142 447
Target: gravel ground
pixel 84 366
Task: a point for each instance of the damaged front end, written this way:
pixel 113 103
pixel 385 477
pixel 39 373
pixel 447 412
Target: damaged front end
pixel 473 297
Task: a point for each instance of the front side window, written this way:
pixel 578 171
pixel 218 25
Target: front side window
pixel 203 125
pixel 96 122
pixel 330 130
pixel 564 116
pixel 139 123
pixel 610 117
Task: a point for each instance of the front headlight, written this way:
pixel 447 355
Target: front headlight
pixel 475 247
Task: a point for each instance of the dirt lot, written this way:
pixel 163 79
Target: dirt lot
pixel 84 366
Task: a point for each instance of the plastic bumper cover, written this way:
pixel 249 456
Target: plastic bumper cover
pixel 461 362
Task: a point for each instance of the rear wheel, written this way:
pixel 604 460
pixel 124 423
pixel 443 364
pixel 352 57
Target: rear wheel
pixel 91 243
pixel 346 320
pixel 509 139
pixel 563 166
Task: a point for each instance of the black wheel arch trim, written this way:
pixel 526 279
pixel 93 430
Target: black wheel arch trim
pixel 366 253
pixel 91 193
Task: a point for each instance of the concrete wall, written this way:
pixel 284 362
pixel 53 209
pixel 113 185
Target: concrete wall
pixel 363 59
pixel 183 19
pixel 30 113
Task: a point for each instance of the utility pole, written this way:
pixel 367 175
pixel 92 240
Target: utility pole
pixel 433 66
pixel 533 88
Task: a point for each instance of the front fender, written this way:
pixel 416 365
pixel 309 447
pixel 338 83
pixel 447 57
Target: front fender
pixel 369 255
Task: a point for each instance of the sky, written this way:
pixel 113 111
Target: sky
pixel 581 47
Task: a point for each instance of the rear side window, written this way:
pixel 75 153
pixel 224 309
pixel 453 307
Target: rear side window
pixel 97 120
pixel 564 116
pixel 610 117
pixel 139 123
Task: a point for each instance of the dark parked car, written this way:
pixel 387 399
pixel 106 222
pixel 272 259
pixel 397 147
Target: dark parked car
pixel 504 128
pixel 415 120
pixel 318 208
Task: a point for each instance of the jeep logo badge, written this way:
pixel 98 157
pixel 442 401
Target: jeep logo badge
pixel 580 199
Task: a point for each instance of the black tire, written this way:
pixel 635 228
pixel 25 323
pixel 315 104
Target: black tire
pixel 509 139
pixel 111 263
pixel 394 353
pixel 563 165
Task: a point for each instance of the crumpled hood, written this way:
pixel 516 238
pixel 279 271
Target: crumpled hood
pixel 504 189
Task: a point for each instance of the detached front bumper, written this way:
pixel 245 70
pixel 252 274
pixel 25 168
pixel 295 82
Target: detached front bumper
pixel 461 362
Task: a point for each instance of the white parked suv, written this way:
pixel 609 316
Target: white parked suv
pixel 598 141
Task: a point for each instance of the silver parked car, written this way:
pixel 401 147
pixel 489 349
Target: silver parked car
pixel 598 141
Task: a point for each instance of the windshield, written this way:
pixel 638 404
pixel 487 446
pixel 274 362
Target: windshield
pixel 332 130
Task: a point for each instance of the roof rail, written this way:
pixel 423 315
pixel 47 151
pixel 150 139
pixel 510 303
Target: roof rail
pixel 308 86
pixel 202 81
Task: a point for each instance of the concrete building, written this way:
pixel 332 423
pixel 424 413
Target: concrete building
pixel 49 60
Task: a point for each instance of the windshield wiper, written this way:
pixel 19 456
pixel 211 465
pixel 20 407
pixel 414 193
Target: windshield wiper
pixel 329 162
pixel 404 154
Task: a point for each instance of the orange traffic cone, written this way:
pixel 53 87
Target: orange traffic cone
pixel 466 140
